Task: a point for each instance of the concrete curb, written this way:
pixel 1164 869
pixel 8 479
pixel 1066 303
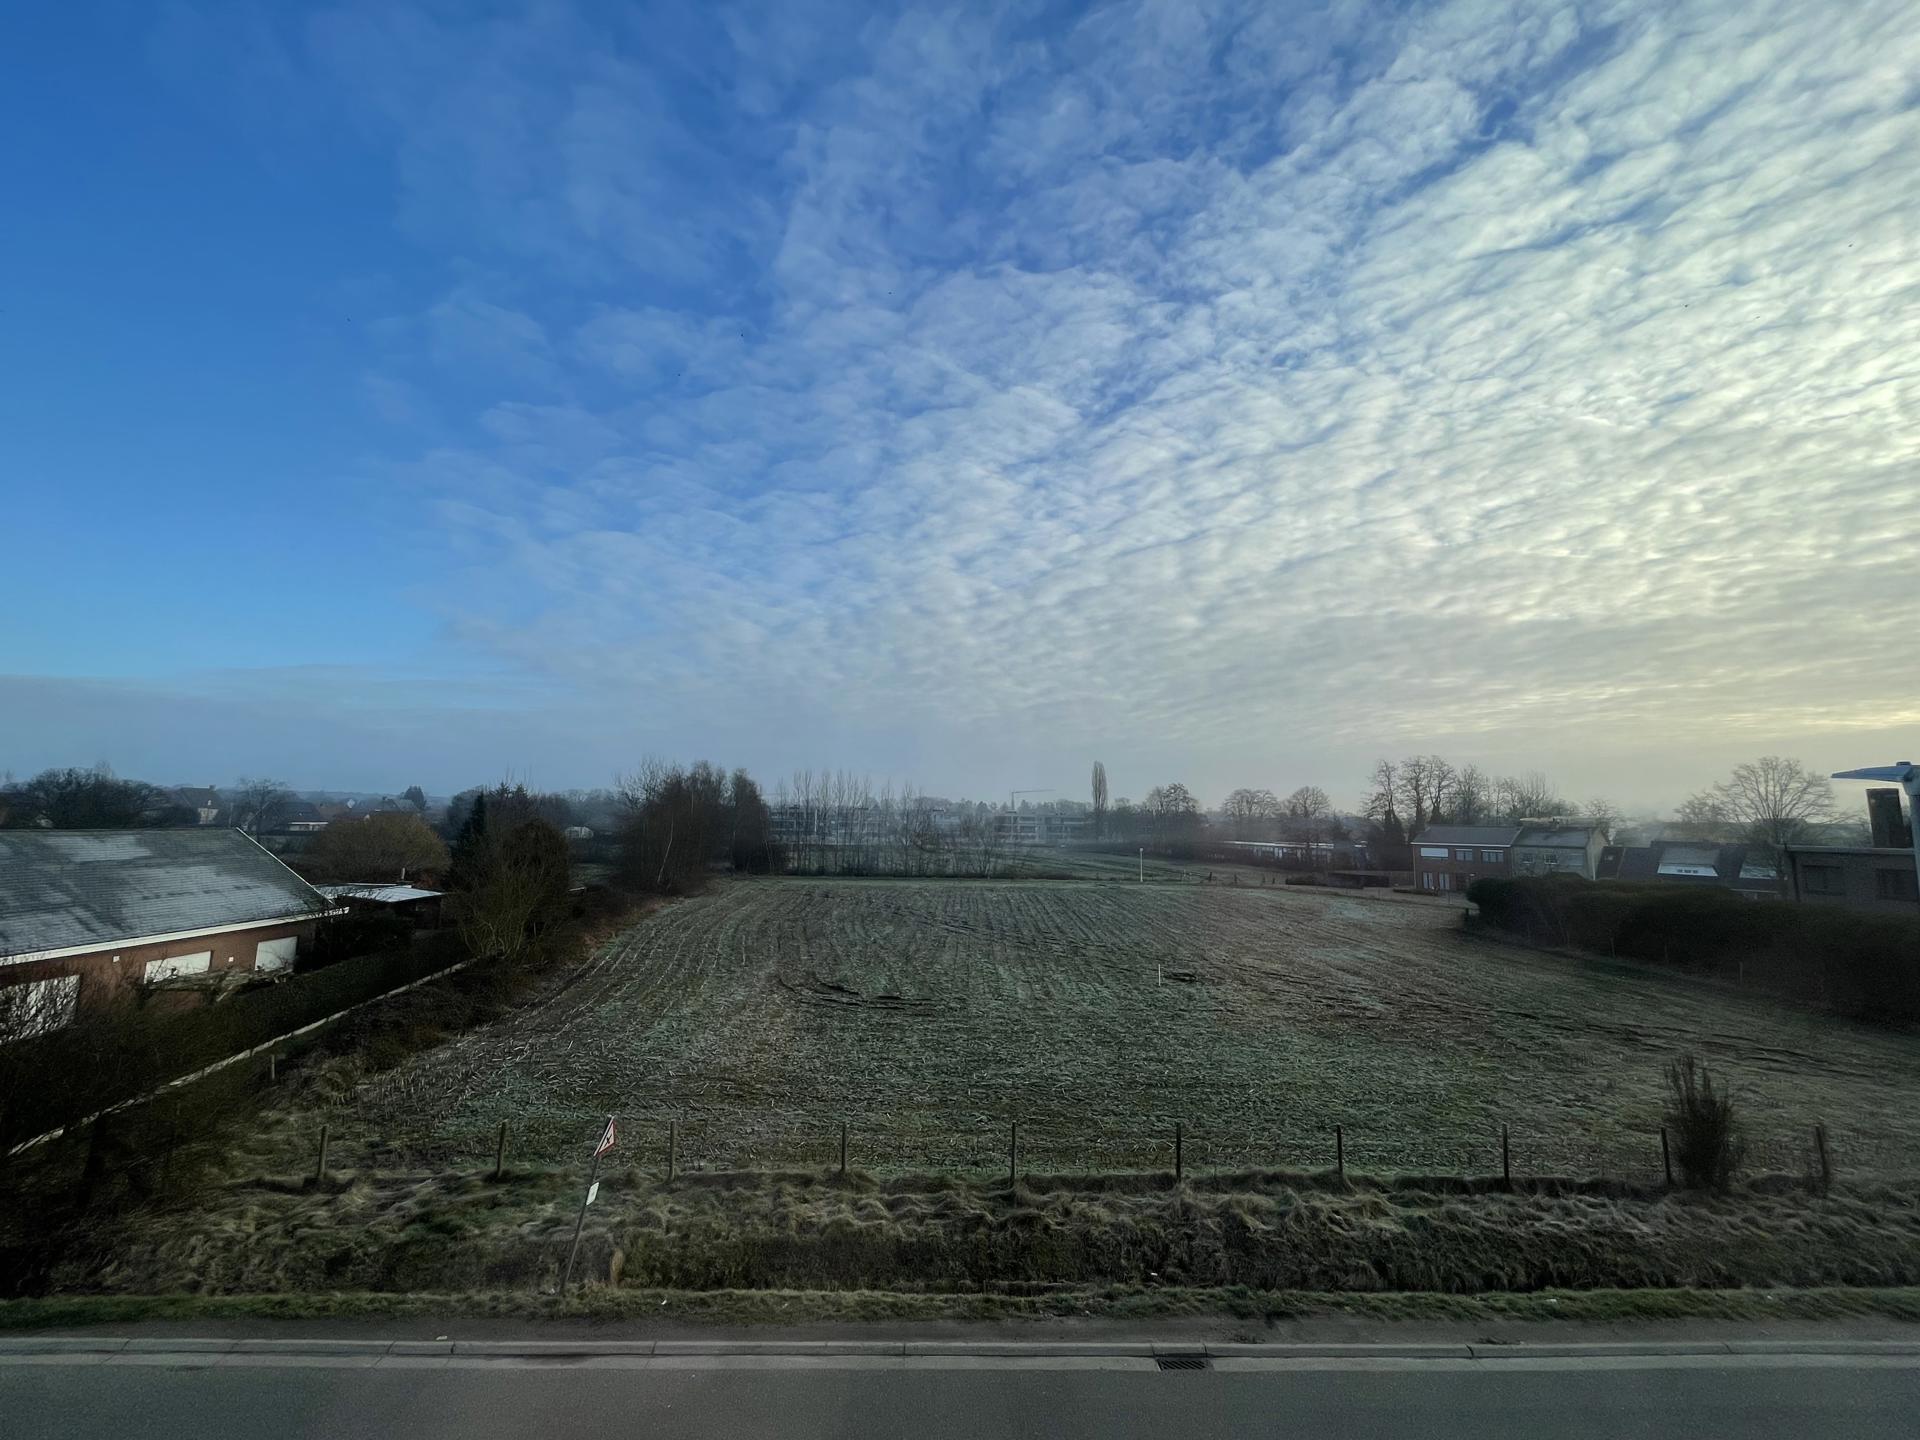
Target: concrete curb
pixel 56 1345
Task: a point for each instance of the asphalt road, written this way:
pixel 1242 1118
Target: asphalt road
pixel 1829 1396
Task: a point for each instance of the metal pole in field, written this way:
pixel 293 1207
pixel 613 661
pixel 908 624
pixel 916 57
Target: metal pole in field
pixel 500 1153
pixel 320 1169
pixel 673 1138
pixel 1339 1153
pixel 1506 1159
pixel 1666 1157
pixel 1013 1156
pixel 1179 1160
pixel 586 1199
pixel 843 1149
pixel 1826 1164
pixel 1143 864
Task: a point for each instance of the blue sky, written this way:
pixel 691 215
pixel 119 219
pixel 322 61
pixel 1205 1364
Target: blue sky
pixel 428 392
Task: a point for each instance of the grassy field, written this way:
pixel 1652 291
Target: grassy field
pixel 928 1015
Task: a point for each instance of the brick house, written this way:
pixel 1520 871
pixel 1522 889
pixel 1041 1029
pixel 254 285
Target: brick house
pixel 1448 858
pixel 86 912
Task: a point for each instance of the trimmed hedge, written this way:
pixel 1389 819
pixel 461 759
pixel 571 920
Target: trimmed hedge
pixel 117 1052
pixel 1865 966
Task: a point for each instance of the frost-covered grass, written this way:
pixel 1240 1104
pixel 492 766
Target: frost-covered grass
pixel 928 1016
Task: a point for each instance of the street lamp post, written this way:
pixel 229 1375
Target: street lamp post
pixel 1906 775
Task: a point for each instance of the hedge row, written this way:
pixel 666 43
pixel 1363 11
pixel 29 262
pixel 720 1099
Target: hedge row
pixel 1865 966
pixel 115 1053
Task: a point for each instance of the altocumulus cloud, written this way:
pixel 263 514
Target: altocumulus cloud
pixel 1239 389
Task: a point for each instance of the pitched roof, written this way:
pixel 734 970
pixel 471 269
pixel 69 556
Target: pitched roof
pixel 1700 862
pixel 1565 837
pixel 63 889
pixel 1467 835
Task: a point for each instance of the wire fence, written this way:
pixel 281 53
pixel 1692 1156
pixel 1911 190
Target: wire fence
pixel 664 1147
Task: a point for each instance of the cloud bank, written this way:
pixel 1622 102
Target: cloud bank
pixel 1233 391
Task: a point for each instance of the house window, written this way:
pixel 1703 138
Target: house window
pixel 166 969
pixel 1896 885
pixel 1823 880
pixel 37 1006
pixel 1463 854
pixel 1433 852
pixel 1490 857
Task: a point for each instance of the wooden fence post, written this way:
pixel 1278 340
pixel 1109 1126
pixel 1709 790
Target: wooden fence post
pixel 320 1169
pixel 1339 1153
pixel 1826 1163
pixel 1506 1159
pixel 673 1137
pixel 1179 1157
pixel 500 1153
pixel 1666 1157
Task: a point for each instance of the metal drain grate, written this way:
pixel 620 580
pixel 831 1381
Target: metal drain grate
pixel 1181 1362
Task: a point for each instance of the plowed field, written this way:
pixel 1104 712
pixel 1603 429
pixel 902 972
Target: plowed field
pixel 928 1015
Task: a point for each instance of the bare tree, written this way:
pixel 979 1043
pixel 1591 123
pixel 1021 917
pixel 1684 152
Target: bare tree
pixel 1703 817
pixel 1309 813
pixel 519 888
pixel 1776 802
pixel 95 799
pixel 259 803
pixel 1472 795
pixel 1383 799
pixel 1426 784
pixel 1099 800
pixel 1603 813
pixel 1248 809
pixel 1527 797
pixel 1174 811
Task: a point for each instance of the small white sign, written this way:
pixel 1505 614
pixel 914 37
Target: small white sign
pixel 592 1190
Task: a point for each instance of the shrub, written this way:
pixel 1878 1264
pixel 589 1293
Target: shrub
pixel 1708 1148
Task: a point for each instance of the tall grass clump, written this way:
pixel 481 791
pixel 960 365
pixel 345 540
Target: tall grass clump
pixel 1700 1115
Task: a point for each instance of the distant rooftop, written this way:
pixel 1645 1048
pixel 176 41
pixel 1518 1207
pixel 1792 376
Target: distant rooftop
pixel 1568 836
pixel 1467 835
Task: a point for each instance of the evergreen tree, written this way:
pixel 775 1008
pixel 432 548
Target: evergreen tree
pixel 470 856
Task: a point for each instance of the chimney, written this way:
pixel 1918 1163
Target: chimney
pixel 1883 814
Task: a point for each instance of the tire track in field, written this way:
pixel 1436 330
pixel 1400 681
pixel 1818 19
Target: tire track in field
pixel 1043 1005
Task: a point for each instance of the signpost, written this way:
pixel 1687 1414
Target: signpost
pixel 593 1189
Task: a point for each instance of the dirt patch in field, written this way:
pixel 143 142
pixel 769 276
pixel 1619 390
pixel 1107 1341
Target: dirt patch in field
pixel 810 989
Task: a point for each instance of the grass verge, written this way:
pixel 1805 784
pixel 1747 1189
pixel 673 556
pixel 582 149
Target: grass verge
pixel 788 1307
